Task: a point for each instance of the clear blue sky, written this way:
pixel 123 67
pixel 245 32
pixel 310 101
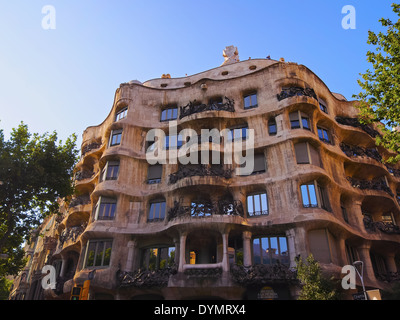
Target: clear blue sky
pixel 65 79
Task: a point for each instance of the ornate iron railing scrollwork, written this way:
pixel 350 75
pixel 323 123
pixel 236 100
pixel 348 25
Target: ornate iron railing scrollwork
pixel 145 278
pixel 260 274
pixel 378 184
pixel 356 151
pixel 385 227
pixel 71 233
pixel 90 146
pixel 354 122
pixel 191 107
pixel 200 170
pixel 204 272
pixel 206 209
pixel 296 91
pixel 80 200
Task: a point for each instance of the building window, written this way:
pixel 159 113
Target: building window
pixel 154 173
pixel 238 133
pixel 110 171
pixel 250 101
pixel 307 154
pixel 157 258
pixel 157 211
pixel 115 138
pixel 257 205
pixel 299 120
pixel 173 142
pixel 352 254
pixel 322 106
pixel 378 264
pixel 314 196
pixel 259 163
pixel 121 114
pixel 169 114
pixel 272 128
pixel 323 135
pixel 105 208
pixel 270 250
pixel 98 253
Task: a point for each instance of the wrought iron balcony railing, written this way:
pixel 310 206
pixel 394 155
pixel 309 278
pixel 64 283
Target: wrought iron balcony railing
pixel 356 151
pixel 378 184
pixel 200 170
pixel 296 91
pixel 90 147
pixel 80 200
pixel 354 122
pixel 145 278
pixel 206 209
pixel 261 274
pixel 191 107
pixel 385 227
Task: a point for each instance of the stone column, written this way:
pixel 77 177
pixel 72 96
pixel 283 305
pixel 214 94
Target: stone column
pixel 246 248
pixel 225 258
pixel 342 252
pixel 301 243
pixel 177 251
pixel 290 236
pixel 365 257
pixel 132 245
pixel 356 215
pixel 63 265
pixel 182 251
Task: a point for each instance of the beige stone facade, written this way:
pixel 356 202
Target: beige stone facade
pixel 172 231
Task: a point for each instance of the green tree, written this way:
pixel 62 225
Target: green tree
pixel 5 287
pixel 35 170
pixel 313 285
pixel 379 101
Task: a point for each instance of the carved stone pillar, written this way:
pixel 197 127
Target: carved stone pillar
pixel 365 257
pixel 246 248
pixel 182 251
pixel 225 257
pixel 63 265
pixel 131 258
pixel 290 236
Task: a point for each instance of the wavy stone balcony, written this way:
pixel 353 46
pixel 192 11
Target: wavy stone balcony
pixel 382 226
pixel 356 151
pixel 206 209
pixel 192 107
pixel 71 234
pixel 354 122
pixel 377 184
pixel 90 147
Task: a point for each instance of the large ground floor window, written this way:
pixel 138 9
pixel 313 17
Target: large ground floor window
pixel 270 250
pixel 156 258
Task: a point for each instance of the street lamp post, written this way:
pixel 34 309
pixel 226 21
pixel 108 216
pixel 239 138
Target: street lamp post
pixel 360 263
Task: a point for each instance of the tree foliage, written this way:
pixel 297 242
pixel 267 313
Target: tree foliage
pixel 379 101
pixel 35 171
pixel 313 285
